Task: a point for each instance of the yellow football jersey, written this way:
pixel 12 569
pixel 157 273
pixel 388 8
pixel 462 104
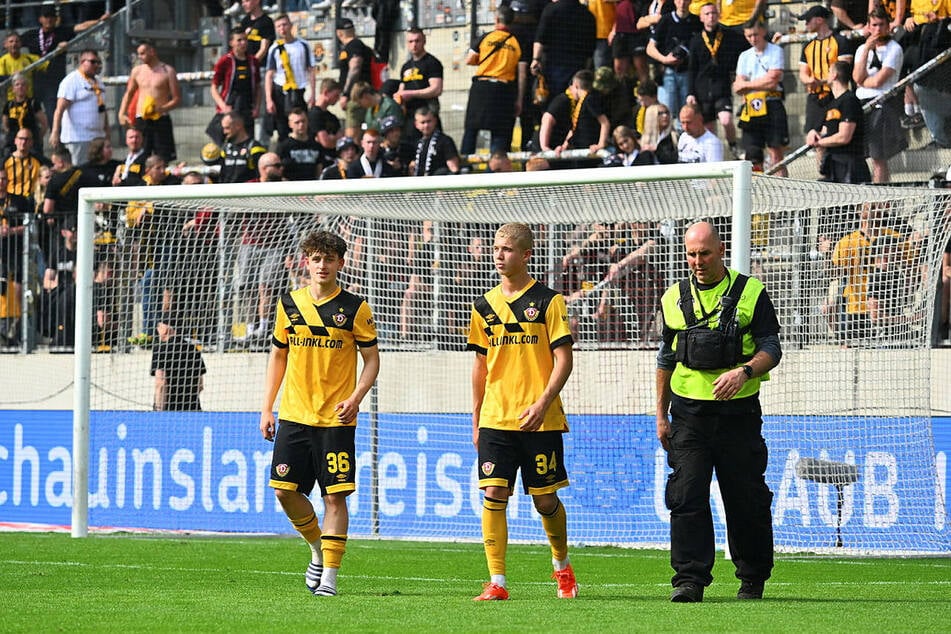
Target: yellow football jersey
pixel 322 337
pixel 518 334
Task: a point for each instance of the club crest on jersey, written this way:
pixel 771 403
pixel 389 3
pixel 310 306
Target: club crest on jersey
pixel 282 469
pixel 340 319
pixel 531 313
pixel 488 468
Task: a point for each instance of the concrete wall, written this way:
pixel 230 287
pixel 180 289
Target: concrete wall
pixel 820 381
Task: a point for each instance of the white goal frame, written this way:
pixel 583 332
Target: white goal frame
pixel 739 171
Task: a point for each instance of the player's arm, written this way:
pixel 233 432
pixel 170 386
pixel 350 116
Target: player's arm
pixel 480 370
pixel 158 400
pixel 533 417
pixel 276 366
pixel 347 410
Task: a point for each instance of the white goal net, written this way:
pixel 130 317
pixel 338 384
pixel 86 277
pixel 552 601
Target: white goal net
pixel 189 286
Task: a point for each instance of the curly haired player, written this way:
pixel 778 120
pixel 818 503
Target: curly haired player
pixel 317 332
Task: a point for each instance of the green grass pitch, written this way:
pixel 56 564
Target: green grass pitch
pixel 125 583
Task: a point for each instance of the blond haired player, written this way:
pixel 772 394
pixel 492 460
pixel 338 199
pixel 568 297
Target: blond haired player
pixel 519 332
pixel 318 331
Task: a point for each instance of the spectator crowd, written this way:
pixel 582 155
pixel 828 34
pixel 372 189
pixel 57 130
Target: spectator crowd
pixel 619 83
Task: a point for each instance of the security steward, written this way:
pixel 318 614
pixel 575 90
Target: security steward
pixel 720 339
pixel 494 99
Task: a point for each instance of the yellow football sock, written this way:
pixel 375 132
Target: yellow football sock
pixel 556 527
pixel 333 547
pixel 308 528
pixel 495 534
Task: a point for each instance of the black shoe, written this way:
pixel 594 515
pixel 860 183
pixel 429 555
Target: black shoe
pixel 912 121
pixel 687 593
pixel 750 590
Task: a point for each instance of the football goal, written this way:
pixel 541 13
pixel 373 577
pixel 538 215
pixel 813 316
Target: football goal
pixel 175 313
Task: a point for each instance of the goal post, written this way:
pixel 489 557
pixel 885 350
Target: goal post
pixel 847 412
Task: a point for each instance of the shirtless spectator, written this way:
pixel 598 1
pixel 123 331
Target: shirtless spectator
pixel 153 85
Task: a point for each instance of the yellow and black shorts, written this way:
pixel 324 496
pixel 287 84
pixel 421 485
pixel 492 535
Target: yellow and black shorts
pixel 305 455
pixel 540 455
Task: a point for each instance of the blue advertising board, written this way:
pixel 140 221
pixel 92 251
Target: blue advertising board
pixel 202 472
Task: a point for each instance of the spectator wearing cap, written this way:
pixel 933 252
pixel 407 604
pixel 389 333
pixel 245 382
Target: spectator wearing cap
pixel 816 62
pixel 347 152
pixel 377 105
pixel 493 98
pixel 301 155
pixel 354 62
pixel 392 148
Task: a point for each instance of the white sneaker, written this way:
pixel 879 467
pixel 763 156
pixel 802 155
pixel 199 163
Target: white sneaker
pixel 234 10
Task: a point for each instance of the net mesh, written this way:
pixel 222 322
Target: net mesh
pixel 851 271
